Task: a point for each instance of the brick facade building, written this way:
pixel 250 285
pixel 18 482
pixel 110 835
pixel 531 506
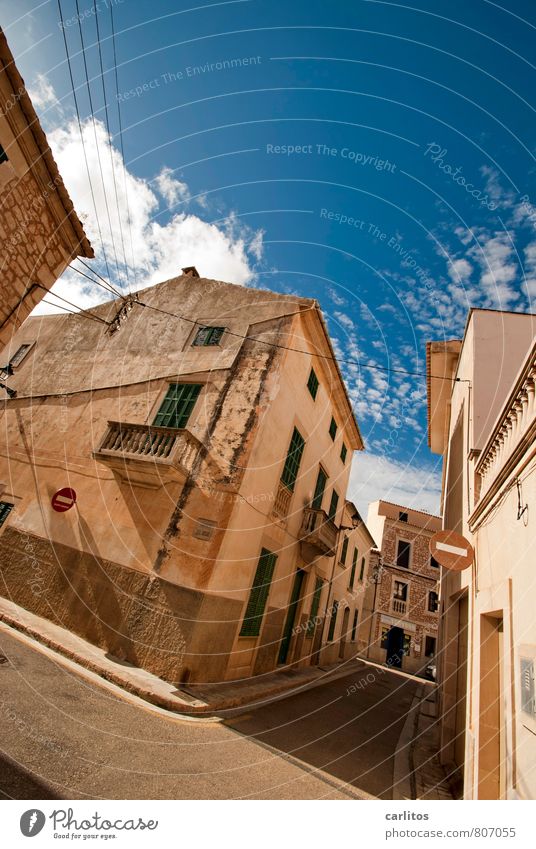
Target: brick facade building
pixel 405 599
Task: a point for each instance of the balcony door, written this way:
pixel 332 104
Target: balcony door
pixel 321 481
pixel 291 615
pixel 178 404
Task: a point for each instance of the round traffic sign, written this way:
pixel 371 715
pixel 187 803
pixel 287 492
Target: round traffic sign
pixel 452 550
pixel 63 499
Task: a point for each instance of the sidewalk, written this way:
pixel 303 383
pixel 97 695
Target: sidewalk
pixel 418 774
pixel 194 700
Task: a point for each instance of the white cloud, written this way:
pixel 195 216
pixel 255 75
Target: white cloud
pixel 460 270
pixel 496 257
pixel 374 476
pixel 142 249
pixel 42 93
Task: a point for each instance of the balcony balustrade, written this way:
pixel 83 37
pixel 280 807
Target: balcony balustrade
pixel 319 531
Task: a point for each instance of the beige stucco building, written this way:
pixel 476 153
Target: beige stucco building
pixel 403 599
pixel 482 418
pixel 40 233
pixel 209 442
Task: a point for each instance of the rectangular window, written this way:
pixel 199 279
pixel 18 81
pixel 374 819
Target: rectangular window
pixel 5 510
pixel 292 463
pixel 344 452
pixel 433 602
pixel 402 517
pixel 429 646
pixel 344 550
pixel 333 620
pixel 354 625
pixel 208 336
pixel 333 504
pixel 362 570
pixel 400 591
pixel 321 479
pixel 315 604
pixel 333 428
pixel 19 355
pixel 3 155
pixel 258 596
pixel 312 383
pixel 434 563
pixel 177 405
pixel 384 639
pixel 403 554
pixel 352 573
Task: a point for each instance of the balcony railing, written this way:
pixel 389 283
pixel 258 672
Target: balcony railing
pixel 398 606
pixel 319 531
pixel 147 455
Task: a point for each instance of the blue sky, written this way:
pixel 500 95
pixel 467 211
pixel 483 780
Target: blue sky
pixel 373 155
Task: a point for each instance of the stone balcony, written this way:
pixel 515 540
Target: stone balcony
pixel 319 532
pixel 398 605
pixel 146 455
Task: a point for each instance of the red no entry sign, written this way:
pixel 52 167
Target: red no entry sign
pixel 63 499
pixel 452 550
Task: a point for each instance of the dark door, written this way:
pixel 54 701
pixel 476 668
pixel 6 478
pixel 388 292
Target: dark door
pixel 395 647
pixel 344 632
pixel 291 616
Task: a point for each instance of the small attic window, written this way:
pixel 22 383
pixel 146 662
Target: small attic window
pixel 208 336
pixel 190 271
pixel 402 517
pixel 19 355
pixel 3 155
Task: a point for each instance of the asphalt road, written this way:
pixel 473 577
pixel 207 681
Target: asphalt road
pixel 62 736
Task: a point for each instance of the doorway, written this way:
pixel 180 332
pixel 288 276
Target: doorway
pixel 291 616
pixel 395 647
pixel 490 730
pixel 344 632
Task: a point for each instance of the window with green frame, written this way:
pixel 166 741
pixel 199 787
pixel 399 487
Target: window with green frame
pixel 312 383
pixel 292 463
pixel 258 596
pixel 333 620
pixel 315 604
pixel 178 404
pixel 333 428
pixel 344 452
pixel 354 625
pixel 333 504
pixel 5 510
pixel 208 336
pixel 320 486
pixel 362 570
pixel 352 573
pixel 344 550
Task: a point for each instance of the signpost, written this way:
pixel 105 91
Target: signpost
pixel 63 499
pixel 453 551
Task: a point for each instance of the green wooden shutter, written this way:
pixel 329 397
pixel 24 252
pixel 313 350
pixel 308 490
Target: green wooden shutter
pixel 362 570
pixel 292 463
pixel 316 503
pixel 333 505
pixel 177 405
pixel 258 596
pixel 315 604
pixel 354 625
pixel 344 550
pixel 208 336
pixel 332 621
pixel 312 383
pixel 354 566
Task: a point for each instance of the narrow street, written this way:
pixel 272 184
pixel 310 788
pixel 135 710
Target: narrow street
pixel 64 737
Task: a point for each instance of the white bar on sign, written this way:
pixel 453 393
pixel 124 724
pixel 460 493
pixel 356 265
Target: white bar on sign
pixel 63 500
pixel 451 549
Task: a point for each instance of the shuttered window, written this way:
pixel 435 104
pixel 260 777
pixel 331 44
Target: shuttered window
pixel 258 596
pixel 177 405
pixel 354 625
pixel 3 155
pixel 208 336
pixel 18 357
pixel 362 570
pixel 333 428
pixel 315 604
pixel 433 602
pixel 403 553
pixel 292 463
pixel 333 504
pixel 352 573
pixel 333 620
pixel 344 550
pixel 316 503
pixel 5 510
pixel 344 452
pixel 312 383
